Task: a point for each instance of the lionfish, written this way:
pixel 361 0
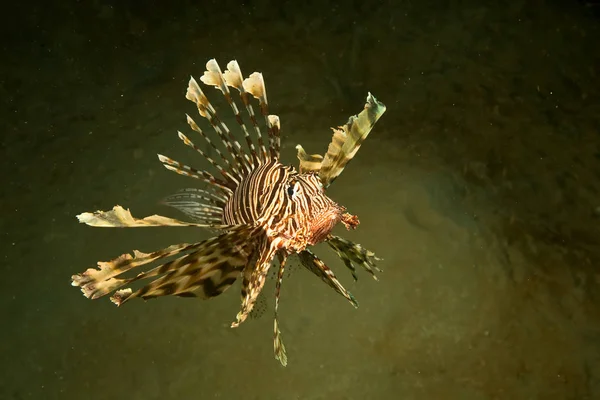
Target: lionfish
pixel 261 208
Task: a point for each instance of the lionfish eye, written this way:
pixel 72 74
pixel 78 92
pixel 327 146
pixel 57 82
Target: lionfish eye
pixel 290 190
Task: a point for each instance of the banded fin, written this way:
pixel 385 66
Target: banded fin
pixel 253 278
pixel 119 217
pixel 241 163
pixel 278 346
pixel 275 135
pixel 186 170
pixel 207 271
pixel 260 307
pixel 308 163
pixel 255 85
pixel 197 129
pixel 353 253
pixel 348 138
pixel 214 77
pixel 232 182
pixel 318 267
pixel 234 78
pixel 346 141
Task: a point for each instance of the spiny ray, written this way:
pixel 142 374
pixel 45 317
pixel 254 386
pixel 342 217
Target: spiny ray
pixel 278 347
pixel 318 267
pixel 206 110
pixel 255 85
pixel 186 170
pixel 234 78
pixel 275 125
pixel 196 128
pixel 213 77
pixel 233 182
pixel 351 252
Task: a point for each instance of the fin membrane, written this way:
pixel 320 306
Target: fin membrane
pixel 119 217
pixel 278 347
pixel 209 268
pixel 353 253
pixel 346 141
pixel 254 277
pixel 318 267
pixel 201 206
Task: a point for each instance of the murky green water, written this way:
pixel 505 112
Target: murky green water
pixel 479 187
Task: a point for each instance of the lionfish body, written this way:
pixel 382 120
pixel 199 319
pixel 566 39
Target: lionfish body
pixel 264 210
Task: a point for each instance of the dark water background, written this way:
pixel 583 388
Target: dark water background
pixel 480 188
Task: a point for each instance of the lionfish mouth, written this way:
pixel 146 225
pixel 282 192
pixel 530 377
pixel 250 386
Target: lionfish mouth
pixel 323 224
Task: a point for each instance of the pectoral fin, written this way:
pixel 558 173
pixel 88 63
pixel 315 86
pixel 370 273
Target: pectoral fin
pixel 353 253
pixel 318 267
pixel 209 268
pixel 119 217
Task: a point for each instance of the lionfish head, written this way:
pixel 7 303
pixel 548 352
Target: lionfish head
pixel 312 214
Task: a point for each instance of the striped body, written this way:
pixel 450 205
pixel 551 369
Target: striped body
pixel 264 210
pixel 290 207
